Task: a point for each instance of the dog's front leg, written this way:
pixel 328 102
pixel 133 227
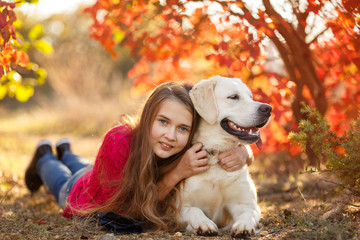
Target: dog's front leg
pixel 197 222
pixel 246 218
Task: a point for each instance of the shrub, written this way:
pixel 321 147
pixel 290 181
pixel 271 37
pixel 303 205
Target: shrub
pixel 340 154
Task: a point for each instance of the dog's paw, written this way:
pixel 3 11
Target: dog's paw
pixel 243 229
pixel 207 233
pixel 203 228
pixel 244 235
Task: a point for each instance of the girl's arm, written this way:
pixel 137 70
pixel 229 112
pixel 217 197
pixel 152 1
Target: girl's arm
pixel 194 161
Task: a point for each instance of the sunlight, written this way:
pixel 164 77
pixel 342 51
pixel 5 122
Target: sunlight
pixel 45 9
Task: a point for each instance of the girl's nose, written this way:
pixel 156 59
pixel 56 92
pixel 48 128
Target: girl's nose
pixel 171 134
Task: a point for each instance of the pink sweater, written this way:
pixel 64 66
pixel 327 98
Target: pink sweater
pixel 91 190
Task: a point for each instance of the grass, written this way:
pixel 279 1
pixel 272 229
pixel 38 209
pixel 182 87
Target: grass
pixel 293 206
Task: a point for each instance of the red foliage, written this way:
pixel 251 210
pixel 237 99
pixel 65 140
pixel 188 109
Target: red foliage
pixel 9 56
pixel 168 40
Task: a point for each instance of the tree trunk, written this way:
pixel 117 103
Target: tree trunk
pixel 296 55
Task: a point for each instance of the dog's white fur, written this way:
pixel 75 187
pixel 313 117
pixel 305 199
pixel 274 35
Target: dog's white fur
pixel 217 198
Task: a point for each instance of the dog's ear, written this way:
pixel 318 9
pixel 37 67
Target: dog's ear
pixel 203 98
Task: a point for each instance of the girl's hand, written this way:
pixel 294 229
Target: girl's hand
pixel 235 158
pixel 194 161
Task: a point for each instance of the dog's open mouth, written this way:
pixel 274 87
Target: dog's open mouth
pixel 250 135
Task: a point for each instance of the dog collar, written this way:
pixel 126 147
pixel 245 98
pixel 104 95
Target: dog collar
pixel 212 151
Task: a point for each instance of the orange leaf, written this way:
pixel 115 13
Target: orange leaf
pixel 142 85
pixel 22 58
pixel 140 68
pixel 271 25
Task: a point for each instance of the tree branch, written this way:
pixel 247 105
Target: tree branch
pixel 318 35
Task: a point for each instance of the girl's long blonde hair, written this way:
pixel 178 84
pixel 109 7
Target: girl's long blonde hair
pixel 136 194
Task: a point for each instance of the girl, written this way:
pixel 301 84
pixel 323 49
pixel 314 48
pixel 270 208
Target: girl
pixel 138 167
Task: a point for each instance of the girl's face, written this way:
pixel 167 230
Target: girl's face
pixel 170 130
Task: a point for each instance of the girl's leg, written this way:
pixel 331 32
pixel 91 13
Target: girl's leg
pixel 72 161
pixel 32 179
pixel 46 168
pixel 53 173
pixel 66 188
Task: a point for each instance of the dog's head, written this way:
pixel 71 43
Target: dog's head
pixel 228 102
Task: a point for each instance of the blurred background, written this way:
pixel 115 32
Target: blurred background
pixel 84 93
pixel 74 68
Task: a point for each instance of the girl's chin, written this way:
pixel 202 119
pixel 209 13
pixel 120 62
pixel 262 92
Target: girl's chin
pixel 164 154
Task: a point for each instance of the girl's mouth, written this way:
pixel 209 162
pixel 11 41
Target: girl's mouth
pixel 165 146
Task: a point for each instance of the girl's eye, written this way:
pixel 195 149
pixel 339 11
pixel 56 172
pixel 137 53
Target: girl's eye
pixel 184 129
pixel 162 121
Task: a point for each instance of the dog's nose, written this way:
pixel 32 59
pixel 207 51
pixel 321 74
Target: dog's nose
pixel 265 109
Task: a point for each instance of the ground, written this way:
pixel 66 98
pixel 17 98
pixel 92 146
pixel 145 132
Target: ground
pixel 294 206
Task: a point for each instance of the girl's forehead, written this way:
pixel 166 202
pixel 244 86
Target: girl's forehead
pixel 175 109
pixel 174 103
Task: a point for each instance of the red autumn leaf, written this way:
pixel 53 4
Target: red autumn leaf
pixel 41 222
pixel 324 74
pixel 5 35
pixel 3 21
pixel 1 72
pixel 224 46
pixel 172 2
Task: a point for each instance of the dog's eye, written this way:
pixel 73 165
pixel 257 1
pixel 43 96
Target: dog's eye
pixel 234 97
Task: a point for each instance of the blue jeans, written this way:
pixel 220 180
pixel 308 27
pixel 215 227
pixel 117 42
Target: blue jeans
pixel 59 176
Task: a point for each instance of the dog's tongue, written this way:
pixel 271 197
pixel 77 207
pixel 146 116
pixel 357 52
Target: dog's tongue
pixel 259 143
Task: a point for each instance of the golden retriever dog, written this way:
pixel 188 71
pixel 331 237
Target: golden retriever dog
pixel 217 198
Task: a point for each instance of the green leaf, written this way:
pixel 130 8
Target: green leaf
pixel 36 32
pixel 43 46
